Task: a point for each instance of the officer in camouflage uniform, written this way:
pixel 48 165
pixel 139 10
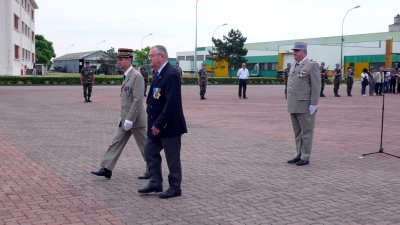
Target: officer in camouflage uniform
pixel 145 73
pixel 350 81
pixel 179 70
pixel 337 73
pixel 87 80
pixel 202 77
pixel 322 70
pixel 286 75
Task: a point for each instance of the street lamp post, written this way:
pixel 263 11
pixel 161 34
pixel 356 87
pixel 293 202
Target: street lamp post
pixel 141 44
pixel 195 46
pixel 212 47
pixel 342 40
pixel 66 52
pixel 96 51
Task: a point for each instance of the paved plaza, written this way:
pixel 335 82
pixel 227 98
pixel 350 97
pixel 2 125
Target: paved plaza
pixel 234 160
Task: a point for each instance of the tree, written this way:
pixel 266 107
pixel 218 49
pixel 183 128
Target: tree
pixel 142 56
pixel 44 50
pixel 230 48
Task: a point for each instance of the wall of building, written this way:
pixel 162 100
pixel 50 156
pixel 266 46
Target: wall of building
pixel 23 36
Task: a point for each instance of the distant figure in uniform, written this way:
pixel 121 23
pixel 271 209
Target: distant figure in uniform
pixel 350 81
pixel 337 73
pixel 133 116
pixel 145 73
pixel 243 75
pixel 322 70
pixel 179 70
pixel 304 87
pixel 285 76
pixel 202 78
pixel 87 80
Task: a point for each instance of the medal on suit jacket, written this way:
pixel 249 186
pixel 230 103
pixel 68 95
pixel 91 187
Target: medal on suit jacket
pixel 156 93
pixel 125 89
pixel 301 73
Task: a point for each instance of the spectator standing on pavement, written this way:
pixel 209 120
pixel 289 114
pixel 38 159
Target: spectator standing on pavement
pixel 393 82
pixel 304 88
pixel 350 81
pixel 378 77
pixel 322 70
pixel 337 76
pixel 243 75
pixel 371 79
pixel 364 81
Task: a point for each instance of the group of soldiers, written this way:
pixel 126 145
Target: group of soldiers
pixel 388 83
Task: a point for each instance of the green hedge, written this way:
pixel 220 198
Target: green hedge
pixel 117 80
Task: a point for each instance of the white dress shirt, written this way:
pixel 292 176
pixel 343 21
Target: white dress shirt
pixel 243 73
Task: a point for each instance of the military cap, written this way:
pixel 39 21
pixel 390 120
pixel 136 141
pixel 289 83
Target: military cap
pixel 299 46
pixel 125 53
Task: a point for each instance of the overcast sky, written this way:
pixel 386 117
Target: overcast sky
pixel 80 25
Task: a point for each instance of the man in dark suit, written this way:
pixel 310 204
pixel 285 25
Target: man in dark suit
pixel 166 124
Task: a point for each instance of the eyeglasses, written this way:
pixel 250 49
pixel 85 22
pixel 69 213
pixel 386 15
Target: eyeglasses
pixel 153 55
pixel 244 65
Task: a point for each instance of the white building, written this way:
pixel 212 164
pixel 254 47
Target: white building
pixel 17 36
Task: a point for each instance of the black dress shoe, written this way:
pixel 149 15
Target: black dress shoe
pixel 103 172
pixel 295 160
pixel 150 189
pixel 170 194
pixel 302 162
pixel 146 175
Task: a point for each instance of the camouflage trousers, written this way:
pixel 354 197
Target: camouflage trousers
pixel 336 84
pixel 322 86
pixel 203 88
pixel 349 86
pixel 87 90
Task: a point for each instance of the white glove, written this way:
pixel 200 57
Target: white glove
pixel 128 125
pixel 313 109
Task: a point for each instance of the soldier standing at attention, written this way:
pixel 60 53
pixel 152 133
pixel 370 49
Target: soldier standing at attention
pixel 322 70
pixel 202 78
pixel 337 73
pixel 87 80
pixel 350 81
pixel 285 76
pixel 303 94
pixel 145 73
pixel 179 70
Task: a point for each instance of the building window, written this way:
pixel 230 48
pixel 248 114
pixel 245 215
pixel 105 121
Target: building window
pixel 200 58
pixel 181 58
pixel 33 36
pixel 209 57
pixel 16 21
pixel 33 57
pixel 23 53
pixel 33 15
pixel 16 51
pixel 190 58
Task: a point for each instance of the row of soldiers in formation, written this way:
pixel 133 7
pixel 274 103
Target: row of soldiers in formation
pixel 88 78
pixel 378 80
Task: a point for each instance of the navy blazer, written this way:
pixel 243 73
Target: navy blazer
pixel 166 112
